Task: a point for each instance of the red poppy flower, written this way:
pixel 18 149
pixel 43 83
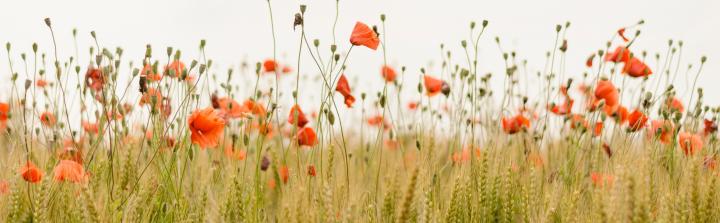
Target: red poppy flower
pixel 362 35
pixel 47 119
pixel 94 78
pixel 601 180
pixel 636 68
pixel 605 90
pixel 306 137
pixel 710 127
pixel 68 170
pixel 255 108
pixel 598 128
pixel 269 65
pixel 637 120
pixel 297 114
pixel 515 124
pixel 206 127
pixel 412 105
pixel 311 170
pixel 41 83
pixel 674 104
pixel 175 69
pixel 435 86
pixel 388 73
pixel 31 173
pixel 90 127
pixel 344 88
pixel 150 73
pixel 663 129
pixel 152 96
pixel 284 173
pixel 621 54
pixel 229 107
pixel 690 143
pixel 589 60
pixel 621 33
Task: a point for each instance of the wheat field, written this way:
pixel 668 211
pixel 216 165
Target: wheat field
pixel 171 137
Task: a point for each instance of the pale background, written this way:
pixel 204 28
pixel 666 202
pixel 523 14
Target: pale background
pixel 238 30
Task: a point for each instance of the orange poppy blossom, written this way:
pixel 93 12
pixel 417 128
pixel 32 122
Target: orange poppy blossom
pixel 589 60
pixel 663 129
pixel 269 65
pixel 566 107
pixel 464 155
pixel 150 72
pixel 674 104
pixel 30 172
pixel 94 78
pixel 206 127
pixel 237 154
pixel 379 120
pixel 413 105
pixel 433 86
pixel 637 120
pixel 47 119
pixel 311 170
pixel 621 54
pixel 229 107
pixel 577 121
pixel 388 73
pixel 597 131
pixel 391 144
pixel 515 124
pixel 621 33
pixel 4 187
pixel 255 108
pixel 601 180
pixel 710 163
pixel 621 115
pixel 68 170
pixel 151 96
pixel 306 137
pixel 636 68
pixel 344 88
pixel 362 35
pixel 605 90
pixel 297 117
pixel 175 68
pixel 709 127
pixel 690 143
pixel 41 83
pixel 284 173
pixel 90 127
pixel 4 114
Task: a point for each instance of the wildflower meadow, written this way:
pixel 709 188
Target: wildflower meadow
pixel 90 134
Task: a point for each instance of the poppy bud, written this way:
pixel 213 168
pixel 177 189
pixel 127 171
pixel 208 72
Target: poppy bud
pixel 472 25
pixel 445 89
pixel 703 59
pixel 148 51
pixel 463 43
pixel 7 46
pixel 333 48
pixel 303 8
pixel 92 33
pixel 298 20
pixel 28 82
pixel 169 51
pixel 35 47
pixel 265 163
pixel 558 27
pixel 382 17
pixel 47 22
pixel 316 42
pixel 202 43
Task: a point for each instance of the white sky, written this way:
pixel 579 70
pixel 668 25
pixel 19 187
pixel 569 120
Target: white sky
pixel 239 29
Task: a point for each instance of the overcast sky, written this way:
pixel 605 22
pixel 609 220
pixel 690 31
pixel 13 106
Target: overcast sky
pixel 239 29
